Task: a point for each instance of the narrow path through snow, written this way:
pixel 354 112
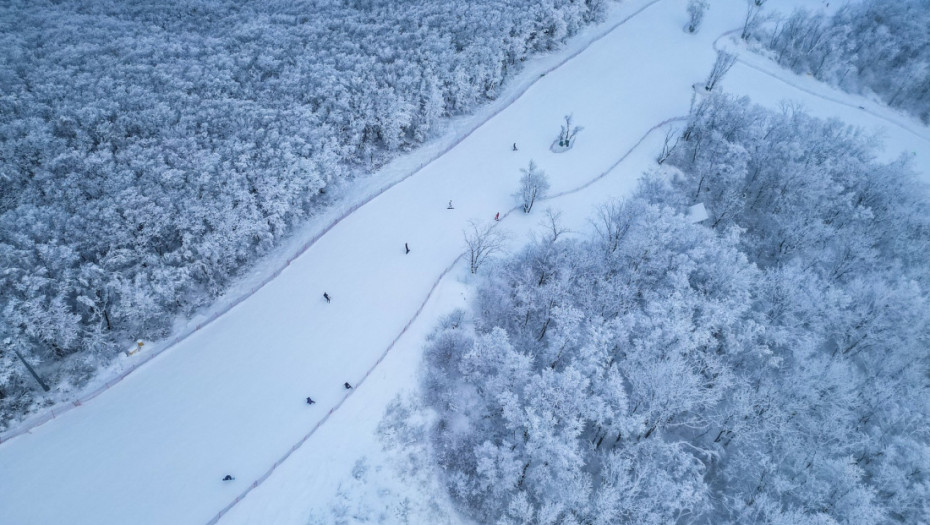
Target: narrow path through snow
pixel 261 479
pixel 296 483
pixel 820 90
pixel 228 398
pixel 509 96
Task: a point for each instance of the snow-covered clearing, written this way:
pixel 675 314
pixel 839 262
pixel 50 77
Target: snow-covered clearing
pixel 230 398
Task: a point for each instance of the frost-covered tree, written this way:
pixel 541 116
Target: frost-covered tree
pixel 672 137
pixel 769 367
pixel 482 241
pixel 873 46
pixel 147 157
pixel 753 18
pixel 533 185
pixel 568 132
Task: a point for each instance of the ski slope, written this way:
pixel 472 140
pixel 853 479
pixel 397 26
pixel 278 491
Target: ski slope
pixel 230 397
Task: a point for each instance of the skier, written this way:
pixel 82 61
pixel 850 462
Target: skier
pixel 450 206
pixel 515 146
pixel 326 296
pixel 347 385
pixel 228 478
pixel 406 247
pixel 310 401
pixel 498 216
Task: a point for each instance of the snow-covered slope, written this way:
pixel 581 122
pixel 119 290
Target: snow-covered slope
pixel 230 398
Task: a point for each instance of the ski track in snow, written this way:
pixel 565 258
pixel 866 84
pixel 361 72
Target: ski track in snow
pixel 255 484
pixel 600 33
pixel 781 74
pixel 587 184
pixel 54 412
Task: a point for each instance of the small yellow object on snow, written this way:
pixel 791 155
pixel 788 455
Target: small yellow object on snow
pixel 138 347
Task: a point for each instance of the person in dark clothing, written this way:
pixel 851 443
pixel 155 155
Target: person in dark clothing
pixel 228 478
pixel 515 146
pixel 450 206
pixel 326 296
pixel 347 385
pixel 406 247
pixel 310 401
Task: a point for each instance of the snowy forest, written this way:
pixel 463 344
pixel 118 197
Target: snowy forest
pixel 150 152
pixel 731 326
pixel 767 365
pixel 875 47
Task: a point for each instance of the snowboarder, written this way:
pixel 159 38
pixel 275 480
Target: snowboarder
pixel 515 146
pixel 347 385
pixel 310 401
pixel 450 206
pixel 498 216
pixel 228 478
pixel 326 296
pixel 406 247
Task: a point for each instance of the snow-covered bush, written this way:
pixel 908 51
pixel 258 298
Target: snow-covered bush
pixel 567 135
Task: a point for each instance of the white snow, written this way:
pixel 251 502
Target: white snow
pixel 230 398
pixel 697 212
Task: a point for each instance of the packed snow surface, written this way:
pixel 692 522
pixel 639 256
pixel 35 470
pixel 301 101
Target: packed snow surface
pixel 230 399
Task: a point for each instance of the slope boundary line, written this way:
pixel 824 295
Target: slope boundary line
pixel 261 479
pixel 52 413
pixel 822 96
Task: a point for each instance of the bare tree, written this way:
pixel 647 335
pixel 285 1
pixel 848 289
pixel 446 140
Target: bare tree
pixel 553 225
pixel 696 10
pixel 533 185
pixel 611 223
pixel 753 17
pixel 697 114
pixel 482 240
pixel 567 135
pixel 723 64
pixel 668 147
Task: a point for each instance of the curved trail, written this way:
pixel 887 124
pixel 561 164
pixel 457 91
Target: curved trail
pixel 52 413
pixel 822 96
pixel 257 482
pixel 186 419
pixel 416 315
pixel 506 214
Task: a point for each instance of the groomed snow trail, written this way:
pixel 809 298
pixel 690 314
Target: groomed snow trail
pixel 519 85
pixel 229 399
pixel 542 202
pixel 815 88
pixel 313 474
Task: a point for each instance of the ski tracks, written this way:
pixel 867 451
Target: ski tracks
pixel 778 75
pixel 581 187
pixel 30 423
